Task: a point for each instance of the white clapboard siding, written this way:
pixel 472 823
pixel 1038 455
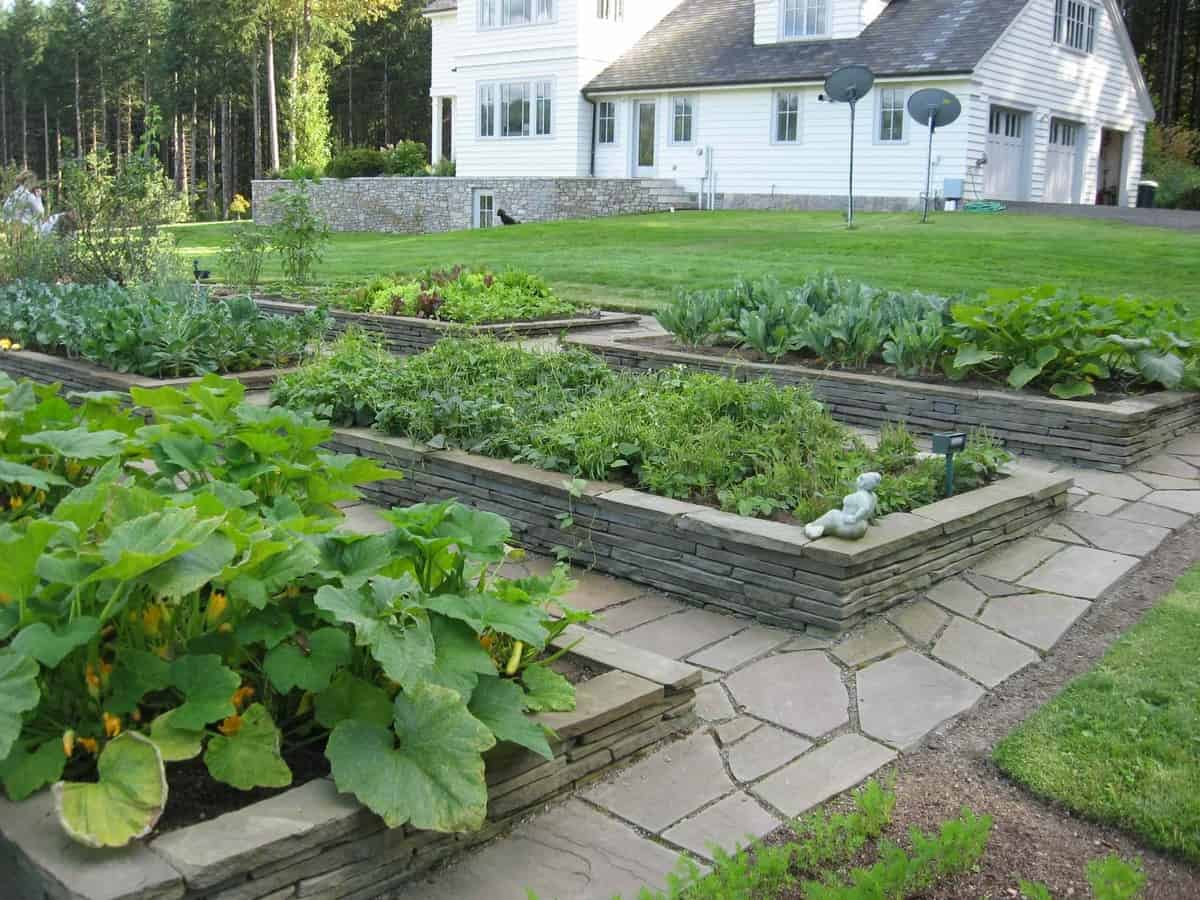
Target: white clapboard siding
pixel 444 29
pixel 738 125
pixel 1027 70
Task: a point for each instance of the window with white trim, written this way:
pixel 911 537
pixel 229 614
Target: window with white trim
pixel 507 13
pixel 891 115
pixel 805 18
pixel 606 122
pixel 1005 122
pixel 787 117
pixel 1064 133
pixel 613 10
pixel 683 119
pixel 485 210
pixel 1075 24
pixel 516 108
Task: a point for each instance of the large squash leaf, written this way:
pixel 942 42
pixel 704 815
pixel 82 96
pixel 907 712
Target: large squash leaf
pixel 19 693
pixel 25 773
pixel 500 705
pixel 547 690
pixel 428 771
pixel 351 697
pixel 139 545
pixel 126 802
pixel 78 443
pixel 175 744
pixel 249 757
pixel 308 662
pixel 18 575
pixel 401 644
pixel 19 473
pixel 522 621
pixel 459 659
pixel 137 673
pixel 208 687
pixel 51 646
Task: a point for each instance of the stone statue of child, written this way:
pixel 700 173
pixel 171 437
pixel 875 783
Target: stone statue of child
pixel 851 520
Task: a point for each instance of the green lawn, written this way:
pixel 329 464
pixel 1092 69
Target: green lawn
pixel 1122 743
pixel 635 261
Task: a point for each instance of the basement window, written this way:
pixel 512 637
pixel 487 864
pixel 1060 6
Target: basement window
pixel 485 209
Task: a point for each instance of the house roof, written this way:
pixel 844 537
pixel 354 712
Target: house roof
pixel 437 6
pixel 711 42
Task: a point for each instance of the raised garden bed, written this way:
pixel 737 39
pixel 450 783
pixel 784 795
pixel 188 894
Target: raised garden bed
pixel 763 569
pixel 79 375
pixel 404 335
pixel 311 841
pixel 1095 434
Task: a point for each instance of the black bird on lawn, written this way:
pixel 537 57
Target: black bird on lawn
pixel 199 273
pixel 506 218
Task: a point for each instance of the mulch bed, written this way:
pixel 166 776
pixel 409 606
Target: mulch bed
pixel 1033 839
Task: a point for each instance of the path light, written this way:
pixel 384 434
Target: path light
pixel 947 443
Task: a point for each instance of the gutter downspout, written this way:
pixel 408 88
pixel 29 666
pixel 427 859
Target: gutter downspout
pixel 595 116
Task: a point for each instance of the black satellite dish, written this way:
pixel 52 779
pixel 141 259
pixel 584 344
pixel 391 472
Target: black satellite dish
pixel 849 84
pixel 936 109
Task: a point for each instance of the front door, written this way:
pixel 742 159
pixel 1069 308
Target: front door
pixel 643 163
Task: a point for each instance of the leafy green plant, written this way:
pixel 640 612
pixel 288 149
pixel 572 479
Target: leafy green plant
pixel 357 162
pixel 915 346
pixel 207 607
pixel 170 329
pixel 243 255
pixel 1113 878
pixel 405 159
pixel 300 234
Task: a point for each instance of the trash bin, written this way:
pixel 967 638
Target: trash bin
pixel 1146 192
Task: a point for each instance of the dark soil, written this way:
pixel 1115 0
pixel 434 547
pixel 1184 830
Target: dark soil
pixel 1105 392
pixel 1033 839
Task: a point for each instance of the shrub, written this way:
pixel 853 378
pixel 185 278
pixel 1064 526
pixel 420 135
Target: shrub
pixel 444 168
pixel 357 163
pixel 163 330
pixel 407 158
pixel 210 612
pixel 1171 156
pixel 300 234
pixel 239 206
pixel 243 255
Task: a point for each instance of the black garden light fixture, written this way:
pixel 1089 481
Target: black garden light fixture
pixel 947 443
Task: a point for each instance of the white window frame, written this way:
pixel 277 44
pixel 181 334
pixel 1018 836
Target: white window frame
pixel 1007 121
pixel 1075 25
pixel 1065 132
pixel 610 10
pixel 495 14
pixel 801 20
pixel 480 217
pixel 881 96
pixel 776 112
pixel 689 115
pixel 493 98
pixel 610 120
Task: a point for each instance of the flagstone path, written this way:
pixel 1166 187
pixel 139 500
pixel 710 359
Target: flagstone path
pixel 789 721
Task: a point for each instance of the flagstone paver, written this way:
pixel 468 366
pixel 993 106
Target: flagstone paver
pixel 712 703
pixel 769 694
pixel 959 595
pixel 637 612
pixel 664 788
pixel 821 773
pixel 365 519
pixel 803 692
pixel 904 697
pixel 984 655
pixel 733 822
pixel 1017 558
pixel 1117 535
pixel 919 619
pixel 764 751
pixel 741 648
pixel 875 639
pixel 1079 572
pixel 1038 619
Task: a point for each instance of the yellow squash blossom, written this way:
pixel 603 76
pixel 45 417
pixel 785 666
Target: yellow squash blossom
pixel 68 742
pixel 242 696
pixel 217 604
pixel 231 726
pixel 112 725
pixel 89 744
pixel 92 678
pixel 15 502
pixel 5 598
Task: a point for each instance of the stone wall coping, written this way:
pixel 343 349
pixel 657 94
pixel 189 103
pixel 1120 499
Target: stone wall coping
pixel 202 856
pixel 1134 407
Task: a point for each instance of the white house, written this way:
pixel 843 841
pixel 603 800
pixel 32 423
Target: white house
pixel 1054 104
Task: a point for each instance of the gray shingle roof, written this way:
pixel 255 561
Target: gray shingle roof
pixel 711 42
pixel 437 6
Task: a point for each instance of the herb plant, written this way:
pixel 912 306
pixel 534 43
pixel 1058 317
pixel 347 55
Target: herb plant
pixel 181 590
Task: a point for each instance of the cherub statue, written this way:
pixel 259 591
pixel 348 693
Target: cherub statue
pixel 849 522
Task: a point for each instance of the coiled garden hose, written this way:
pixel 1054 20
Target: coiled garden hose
pixel 984 206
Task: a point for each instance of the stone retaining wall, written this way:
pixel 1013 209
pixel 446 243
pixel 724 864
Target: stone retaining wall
pixel 78 375
pixel 424 205
pixel 1109 436
pixel 407 334
pixel 313 842
pixel 766 570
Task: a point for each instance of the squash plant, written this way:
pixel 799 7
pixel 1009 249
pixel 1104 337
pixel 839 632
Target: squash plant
pixel 193 598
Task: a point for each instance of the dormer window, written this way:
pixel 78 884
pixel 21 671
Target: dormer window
pixel 805 18
pixel 1075 24
pixel 508 13
pixel 613 10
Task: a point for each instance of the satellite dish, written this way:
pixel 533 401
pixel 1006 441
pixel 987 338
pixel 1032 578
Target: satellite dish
pixel 849 84
pixel 936 109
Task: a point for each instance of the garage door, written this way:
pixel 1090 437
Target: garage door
pixel 1005 170
pixel 1063 161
